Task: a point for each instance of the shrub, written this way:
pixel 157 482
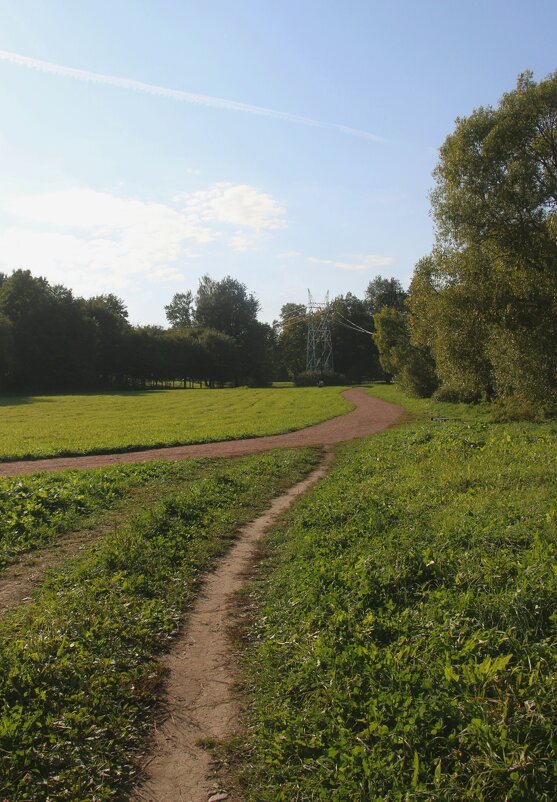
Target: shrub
pixel 311 378
pixel 519 408
pixel 456 395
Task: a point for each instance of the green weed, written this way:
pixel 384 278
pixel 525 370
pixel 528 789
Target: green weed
pixel 35 509
pixel 404 645
pixel 78 675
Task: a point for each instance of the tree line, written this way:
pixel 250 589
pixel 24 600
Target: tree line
pixel 480 319
pixel 52 341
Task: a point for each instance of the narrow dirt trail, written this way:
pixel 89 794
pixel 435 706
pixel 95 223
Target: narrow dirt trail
pixel 201 699
pixel 20 579
pixel 200 693
pixel 371 415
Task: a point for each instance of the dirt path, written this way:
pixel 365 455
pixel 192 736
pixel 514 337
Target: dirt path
pixel 370 416
pixel 201 696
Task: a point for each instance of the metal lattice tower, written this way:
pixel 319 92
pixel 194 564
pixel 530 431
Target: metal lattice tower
pixel 320 344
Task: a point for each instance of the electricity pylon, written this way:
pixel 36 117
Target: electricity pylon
pixel 320 344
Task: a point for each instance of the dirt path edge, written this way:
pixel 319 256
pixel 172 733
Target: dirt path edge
pixel 371 415
pixel 201 696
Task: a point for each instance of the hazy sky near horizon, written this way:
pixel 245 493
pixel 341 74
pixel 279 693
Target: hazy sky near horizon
pixel 289 144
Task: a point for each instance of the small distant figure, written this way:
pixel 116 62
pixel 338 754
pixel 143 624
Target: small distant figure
pixel 321 383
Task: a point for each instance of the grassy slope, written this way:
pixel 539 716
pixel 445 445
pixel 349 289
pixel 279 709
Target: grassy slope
pixel 404 647
pixel 35 509
pixel 41 426
pixel 78 678
pixel 428 409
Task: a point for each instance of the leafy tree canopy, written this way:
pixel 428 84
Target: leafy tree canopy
pixel 383 292
pixel 109 304
pixel 225 306
pixel 179 312
pixel 496 181
pixel 485 300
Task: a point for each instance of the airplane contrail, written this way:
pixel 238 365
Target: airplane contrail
pixel 177 94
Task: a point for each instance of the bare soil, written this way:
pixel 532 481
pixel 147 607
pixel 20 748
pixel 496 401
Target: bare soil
pixel 202 699
pixel 370 416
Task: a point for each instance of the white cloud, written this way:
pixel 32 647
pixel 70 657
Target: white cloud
pixel 243 242
pixel 167 274
pixel 237 205
pixel 365 261
pixel 104 214
pixel 176 94
pixel 288 255
pixel 93 240
pixel 88 265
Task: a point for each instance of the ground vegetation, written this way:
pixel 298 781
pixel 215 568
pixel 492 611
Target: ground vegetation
pixel 403 639
pixel 79 673
pixel 88 423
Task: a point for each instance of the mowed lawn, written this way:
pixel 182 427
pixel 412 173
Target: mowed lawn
pixel 50 425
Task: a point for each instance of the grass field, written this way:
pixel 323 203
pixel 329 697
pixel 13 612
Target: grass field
pixel 78 671
pixel 44 426
pixel 404 639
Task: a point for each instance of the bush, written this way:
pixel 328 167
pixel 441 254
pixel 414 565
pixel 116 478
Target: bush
pixel 525 363
pixel 456 395
pixel 311 378
pixel 519 408
pixel 411 366
pixel 417 376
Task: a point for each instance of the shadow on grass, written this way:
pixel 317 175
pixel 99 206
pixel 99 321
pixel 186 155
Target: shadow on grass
pixel 7 400
pixel 20 400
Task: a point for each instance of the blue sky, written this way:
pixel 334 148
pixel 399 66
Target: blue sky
pixel 110 188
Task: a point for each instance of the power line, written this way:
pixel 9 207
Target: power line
pixel 350 328
pixel 293 319
pixel 355 326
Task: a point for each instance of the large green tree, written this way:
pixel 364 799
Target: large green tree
pixel 225 306
pixel 110 316
pixel 383 292
pixel 492 297
pixel 496 181
pixel 50 339
pixel 179 312
pixel 292 335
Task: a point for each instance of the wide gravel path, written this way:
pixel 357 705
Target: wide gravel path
pixel 371 415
